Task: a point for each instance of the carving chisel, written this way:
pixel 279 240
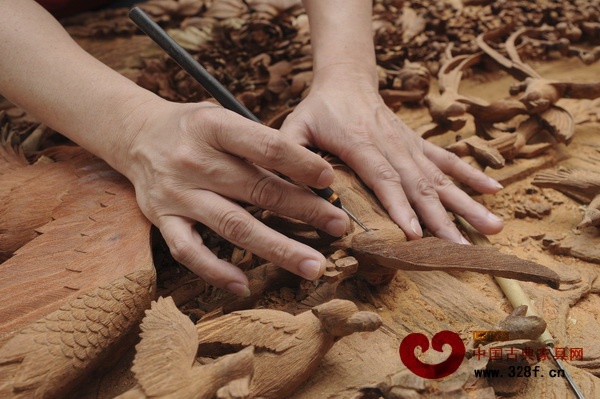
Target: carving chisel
pixel 213 86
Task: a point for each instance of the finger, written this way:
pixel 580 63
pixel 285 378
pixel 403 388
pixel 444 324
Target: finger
pixel 295 127
pixel 237 226
pixel 421 193
pixel 379 175
pixel 252 184
pixel 188 249
pixel 459 201
pixel 452 165
pixel 271 149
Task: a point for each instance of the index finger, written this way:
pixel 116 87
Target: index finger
pixel 270 149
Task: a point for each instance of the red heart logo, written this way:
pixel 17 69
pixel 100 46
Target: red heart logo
pixel 432 371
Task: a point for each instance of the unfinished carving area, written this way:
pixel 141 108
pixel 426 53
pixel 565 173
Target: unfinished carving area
pixel 511 87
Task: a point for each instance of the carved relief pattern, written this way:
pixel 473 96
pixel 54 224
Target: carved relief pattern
pixel 43 358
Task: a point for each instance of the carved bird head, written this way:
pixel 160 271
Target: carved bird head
pixel 340 318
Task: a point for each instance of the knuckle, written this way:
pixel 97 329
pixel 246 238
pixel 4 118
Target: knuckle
pixel 273 148
pixel 212 118
pixel 197 160
pixel 311 212
pixel 267 192
pixel 278 253
pixel 235 227
pixel 181 250
pixel 182 153
pixel 211 170
pixel 383 173
pixel 445 224
pixel 441 181
pixel 451 162
pixel 153 199
pixel 425 189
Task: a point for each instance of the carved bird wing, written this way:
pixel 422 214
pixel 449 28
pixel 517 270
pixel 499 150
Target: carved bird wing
pixel 581 184
pixel 432 253
pixel 559 122
pixel 514 65
pixel 165 355
pixel 263 328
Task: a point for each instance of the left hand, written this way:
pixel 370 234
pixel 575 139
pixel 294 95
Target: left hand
pixel 345 115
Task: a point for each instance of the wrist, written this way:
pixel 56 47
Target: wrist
pixel 357 74
pixel 136 113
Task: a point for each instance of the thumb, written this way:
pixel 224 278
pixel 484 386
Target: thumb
pixel 296 128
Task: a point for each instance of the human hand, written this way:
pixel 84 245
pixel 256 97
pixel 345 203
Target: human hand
pixel 188 161
pixel 345 115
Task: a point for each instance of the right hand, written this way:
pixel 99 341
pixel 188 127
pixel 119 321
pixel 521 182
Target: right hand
pixel 189 161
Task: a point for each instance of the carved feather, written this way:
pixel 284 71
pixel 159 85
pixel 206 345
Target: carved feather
pixel 437 254
pixel 580 184
pixel 44 358
pixel 265 329
pixel 10 160
pixel 91 234
pixel 167 350
pixel 164 364
pixel 559 122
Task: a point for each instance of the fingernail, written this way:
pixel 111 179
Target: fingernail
pixel 464 241
pixel 495 183
pixel 238 289
pixel 494 218
pixel 336 227
pixel 416 227
pixel 310 269
pixel 326 178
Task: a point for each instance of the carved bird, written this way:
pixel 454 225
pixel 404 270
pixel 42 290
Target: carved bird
pixel 583 185
pixel 164 362
pixel 540 95
pixel 288 348
pixel 448 110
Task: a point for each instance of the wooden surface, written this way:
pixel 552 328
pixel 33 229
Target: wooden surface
pixel 428 302
pixel 73 294
pixel 88 233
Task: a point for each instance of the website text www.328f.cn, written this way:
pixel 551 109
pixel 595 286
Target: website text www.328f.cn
pixel 518 372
